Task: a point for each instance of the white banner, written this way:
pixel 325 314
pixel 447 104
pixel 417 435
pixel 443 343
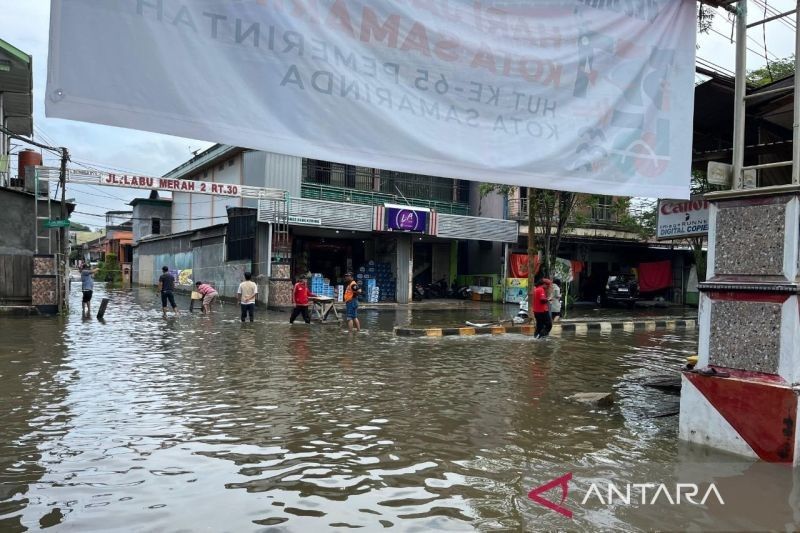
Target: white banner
pixel 679 218
pixel 574 95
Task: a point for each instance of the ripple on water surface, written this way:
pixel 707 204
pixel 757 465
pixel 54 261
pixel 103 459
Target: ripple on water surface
pixel 202 422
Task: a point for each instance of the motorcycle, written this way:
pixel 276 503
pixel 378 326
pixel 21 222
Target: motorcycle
pixel 464 293
pixel 419 292
pixel 523 315
pixel 437 289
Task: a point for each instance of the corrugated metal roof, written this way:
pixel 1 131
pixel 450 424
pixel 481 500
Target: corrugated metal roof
pixel 16 84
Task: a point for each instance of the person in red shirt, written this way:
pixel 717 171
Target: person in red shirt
pixel 541 310
pixel 300 296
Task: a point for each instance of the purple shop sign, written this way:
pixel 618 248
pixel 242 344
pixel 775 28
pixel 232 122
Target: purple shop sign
pixel 400 219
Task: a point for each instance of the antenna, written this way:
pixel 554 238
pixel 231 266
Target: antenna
pixel 401 194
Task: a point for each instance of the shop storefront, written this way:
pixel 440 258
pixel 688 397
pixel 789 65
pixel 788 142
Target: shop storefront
pixel 389 247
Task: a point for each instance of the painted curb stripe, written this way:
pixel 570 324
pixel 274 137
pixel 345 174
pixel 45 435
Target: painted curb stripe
pixel 558 328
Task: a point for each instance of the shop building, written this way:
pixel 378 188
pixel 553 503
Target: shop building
pixel 600 245
pixel 399 228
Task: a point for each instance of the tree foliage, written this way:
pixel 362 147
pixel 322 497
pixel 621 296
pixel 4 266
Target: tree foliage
pixel 109 269
pixel 772 71
pixel 705 18
pixel 77 226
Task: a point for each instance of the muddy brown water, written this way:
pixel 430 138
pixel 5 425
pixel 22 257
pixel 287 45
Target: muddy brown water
pixel 202 423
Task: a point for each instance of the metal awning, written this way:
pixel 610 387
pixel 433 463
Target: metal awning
pixel 16 89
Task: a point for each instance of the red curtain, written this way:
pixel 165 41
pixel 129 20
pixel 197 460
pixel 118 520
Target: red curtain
pixel 519 265
pixel 655 276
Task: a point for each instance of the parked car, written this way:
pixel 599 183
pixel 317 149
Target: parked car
pixel 621 288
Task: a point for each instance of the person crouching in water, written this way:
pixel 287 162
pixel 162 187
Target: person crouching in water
pixel 209 295
pixel 541 310
pixel 300 296
pixel 351 292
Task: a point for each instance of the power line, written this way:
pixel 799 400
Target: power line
pixel 149 218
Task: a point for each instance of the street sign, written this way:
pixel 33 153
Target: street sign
pixel 56 224
pixel 719 173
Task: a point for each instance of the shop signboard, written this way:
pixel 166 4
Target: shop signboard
pixel 679 218
pixel 403 218
pixel 304 221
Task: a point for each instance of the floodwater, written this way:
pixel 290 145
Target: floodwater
pixel 202 423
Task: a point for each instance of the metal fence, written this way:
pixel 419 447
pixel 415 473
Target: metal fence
pixel 401 184
pixel 316 191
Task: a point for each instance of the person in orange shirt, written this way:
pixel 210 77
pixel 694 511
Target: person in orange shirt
pixel 351 292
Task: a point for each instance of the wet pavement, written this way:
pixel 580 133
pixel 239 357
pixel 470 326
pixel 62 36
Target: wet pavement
pixel 203 423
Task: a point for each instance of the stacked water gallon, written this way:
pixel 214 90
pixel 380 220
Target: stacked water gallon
pixel 321 286
pixel 377 281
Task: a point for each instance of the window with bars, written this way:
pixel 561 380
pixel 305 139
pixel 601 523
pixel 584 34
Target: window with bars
pixel 603 211
pixel 155 226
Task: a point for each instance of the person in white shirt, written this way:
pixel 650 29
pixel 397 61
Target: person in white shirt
pixel 246 295
pixel 555 300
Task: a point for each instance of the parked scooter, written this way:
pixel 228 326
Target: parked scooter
pixel 523 315
pixel 437 289
pixel 464 293
pixel 419 292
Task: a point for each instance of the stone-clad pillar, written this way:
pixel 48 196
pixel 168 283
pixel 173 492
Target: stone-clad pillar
pixel 44 284
pixel 749 321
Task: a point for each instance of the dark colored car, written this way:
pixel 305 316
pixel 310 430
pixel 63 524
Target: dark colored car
pixel 622 288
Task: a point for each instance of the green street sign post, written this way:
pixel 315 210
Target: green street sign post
pixel 56 224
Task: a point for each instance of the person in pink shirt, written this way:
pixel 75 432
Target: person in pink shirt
pixel 209 295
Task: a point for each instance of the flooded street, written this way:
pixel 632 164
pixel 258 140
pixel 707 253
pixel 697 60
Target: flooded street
pixel 202 423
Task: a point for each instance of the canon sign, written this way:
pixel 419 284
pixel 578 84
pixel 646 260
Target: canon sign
pixel 681 218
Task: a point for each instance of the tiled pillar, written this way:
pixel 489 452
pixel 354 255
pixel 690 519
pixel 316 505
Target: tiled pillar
pixel 44 284
pixel 749 320
pixel 280 286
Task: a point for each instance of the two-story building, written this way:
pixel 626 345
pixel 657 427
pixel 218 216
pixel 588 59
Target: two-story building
pixel 393 229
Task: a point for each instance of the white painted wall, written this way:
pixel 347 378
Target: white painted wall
pixel 181 212
pixel 231 174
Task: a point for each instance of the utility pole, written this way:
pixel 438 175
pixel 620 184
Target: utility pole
pixel 63 263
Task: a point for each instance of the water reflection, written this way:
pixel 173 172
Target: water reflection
pixel 204 422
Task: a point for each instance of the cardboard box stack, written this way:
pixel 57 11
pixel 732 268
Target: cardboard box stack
pixel 322 286
pixel 377 281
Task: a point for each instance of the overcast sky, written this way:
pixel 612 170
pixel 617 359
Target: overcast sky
pixel 25 24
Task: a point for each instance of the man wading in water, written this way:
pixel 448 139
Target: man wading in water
pixel 87 286
pixel 351 292
pixel 541 311
pixel 166 287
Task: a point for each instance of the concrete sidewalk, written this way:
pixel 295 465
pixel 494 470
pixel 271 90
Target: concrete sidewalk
pixel 566 326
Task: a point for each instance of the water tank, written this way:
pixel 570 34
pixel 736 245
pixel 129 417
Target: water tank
pixel 27 159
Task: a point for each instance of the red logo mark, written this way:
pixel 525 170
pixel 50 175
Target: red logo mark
pixel 562 482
